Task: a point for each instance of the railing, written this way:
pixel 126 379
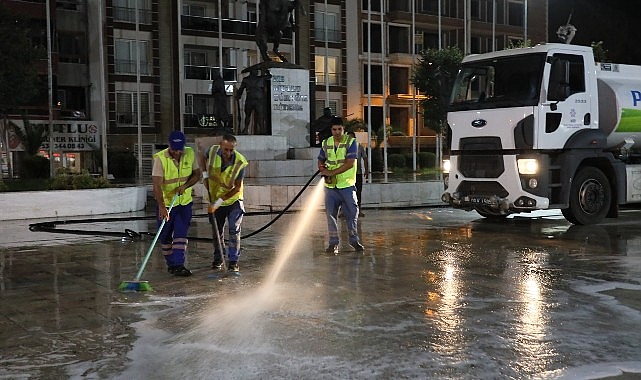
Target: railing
pixel 126 119
pixel 126 14
pixel 210 24
pixel 333 35
pixel 128 66
pixel 332 79
pixel 208 72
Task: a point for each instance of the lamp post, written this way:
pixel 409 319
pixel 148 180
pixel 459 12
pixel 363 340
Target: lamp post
pixel 369 87
pixel 138 113
pixel 50 88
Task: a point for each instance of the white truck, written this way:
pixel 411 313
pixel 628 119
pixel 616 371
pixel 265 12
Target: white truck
pixel 544 128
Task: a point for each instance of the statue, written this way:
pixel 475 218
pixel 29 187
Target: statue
pixel 254 101
pixel 220 101
pixel 275 17
pixel 566 32
pixel 322 127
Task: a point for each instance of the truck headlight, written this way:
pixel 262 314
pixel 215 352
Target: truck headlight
pixel 527 166
pixel 446 167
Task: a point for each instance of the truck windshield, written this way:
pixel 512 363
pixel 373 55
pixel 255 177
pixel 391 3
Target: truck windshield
pixel 511 81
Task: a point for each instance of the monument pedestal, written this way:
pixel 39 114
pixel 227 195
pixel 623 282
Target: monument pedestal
pixel 287 101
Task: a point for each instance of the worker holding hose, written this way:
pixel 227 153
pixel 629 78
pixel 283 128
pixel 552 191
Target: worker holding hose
pixel 337 164
pixel 175 171
pixel 223 178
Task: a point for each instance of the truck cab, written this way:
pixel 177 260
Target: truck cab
pixel 525 134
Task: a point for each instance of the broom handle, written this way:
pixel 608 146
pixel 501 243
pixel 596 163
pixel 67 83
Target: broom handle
pixel 153 243
pixel 218 237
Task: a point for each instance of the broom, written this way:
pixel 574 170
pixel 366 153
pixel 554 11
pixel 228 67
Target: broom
pixel 136 284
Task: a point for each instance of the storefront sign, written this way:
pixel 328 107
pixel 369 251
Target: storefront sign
pixel 68 136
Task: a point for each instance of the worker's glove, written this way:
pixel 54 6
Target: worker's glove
pixel 214 206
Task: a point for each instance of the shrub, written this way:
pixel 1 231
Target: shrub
pixel 3 186
pixel 426 159
pixel 395 160
pixel 34 167
pixel 122 164
pixel 65 180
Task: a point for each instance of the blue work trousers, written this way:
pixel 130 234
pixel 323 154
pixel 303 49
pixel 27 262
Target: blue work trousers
pixel 233 214
pixel 344 199
pixel 173 238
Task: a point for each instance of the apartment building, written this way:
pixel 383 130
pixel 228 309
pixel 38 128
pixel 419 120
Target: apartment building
pixel 126 72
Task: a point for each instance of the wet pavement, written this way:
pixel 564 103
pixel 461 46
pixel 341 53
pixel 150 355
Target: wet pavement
pixel 438 294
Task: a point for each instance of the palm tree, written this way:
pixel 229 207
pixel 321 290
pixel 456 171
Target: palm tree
pixel 32 137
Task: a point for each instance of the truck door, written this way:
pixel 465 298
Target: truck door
pixel 566 108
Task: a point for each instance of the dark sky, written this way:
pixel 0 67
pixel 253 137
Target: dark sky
pixel 615 22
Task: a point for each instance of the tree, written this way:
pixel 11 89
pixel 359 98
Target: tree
pixel 32 136
pixel 600 52
pixel 434 76
pixel 19 80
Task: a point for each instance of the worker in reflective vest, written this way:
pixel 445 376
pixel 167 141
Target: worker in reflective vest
pixel 223 178
pixel 337 165
pixel 175 171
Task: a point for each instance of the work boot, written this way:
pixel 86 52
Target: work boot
pixel 217 264
pixel 233 266
pixel 179 271
pixel 332 249
pixel 357 246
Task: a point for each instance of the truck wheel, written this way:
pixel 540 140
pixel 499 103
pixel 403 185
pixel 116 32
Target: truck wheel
pixel 489 214
pixel 590 197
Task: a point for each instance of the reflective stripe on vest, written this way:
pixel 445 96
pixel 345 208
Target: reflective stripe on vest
pixel 334 158
pixel 220 182
pixel 174 176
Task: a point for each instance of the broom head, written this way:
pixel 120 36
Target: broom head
pixel 134 286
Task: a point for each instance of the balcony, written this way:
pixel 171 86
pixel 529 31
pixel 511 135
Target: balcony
pixel 333 35
pixel 128 67
pixel 208 73
pixel 210 24
pixel 333 79
pixel 123 14
pixel 130 119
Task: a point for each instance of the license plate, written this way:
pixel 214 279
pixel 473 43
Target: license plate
pixel 486 201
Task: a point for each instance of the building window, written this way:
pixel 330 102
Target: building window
pixel 376 39
pixel 377 80
pixel 320 105
pixel 515 13
pixel 376 5
pixel 125 11
pixel 332 70
pixel 327 20
pixel 195 10
pixel 203 65
pixel 398 80
pixel 399 39
pixel 127 108
pixel 126 55
pixel 428 6
pixel 400 119
pixel 71 47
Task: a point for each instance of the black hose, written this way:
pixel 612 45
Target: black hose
pixel 284 210
pixel 133 235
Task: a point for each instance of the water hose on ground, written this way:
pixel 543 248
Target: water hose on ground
pixel 133 235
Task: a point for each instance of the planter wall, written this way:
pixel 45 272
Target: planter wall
pixel 65 203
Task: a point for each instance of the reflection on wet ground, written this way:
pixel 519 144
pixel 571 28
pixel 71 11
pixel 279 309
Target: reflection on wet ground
pixel 438 294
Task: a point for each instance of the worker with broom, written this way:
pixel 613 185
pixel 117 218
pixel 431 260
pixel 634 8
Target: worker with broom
pixel 175 170
pixel 224 171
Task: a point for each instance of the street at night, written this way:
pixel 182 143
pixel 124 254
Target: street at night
pixel 438 293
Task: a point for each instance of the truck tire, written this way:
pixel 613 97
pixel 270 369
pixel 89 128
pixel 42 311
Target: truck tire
pixel 590 197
